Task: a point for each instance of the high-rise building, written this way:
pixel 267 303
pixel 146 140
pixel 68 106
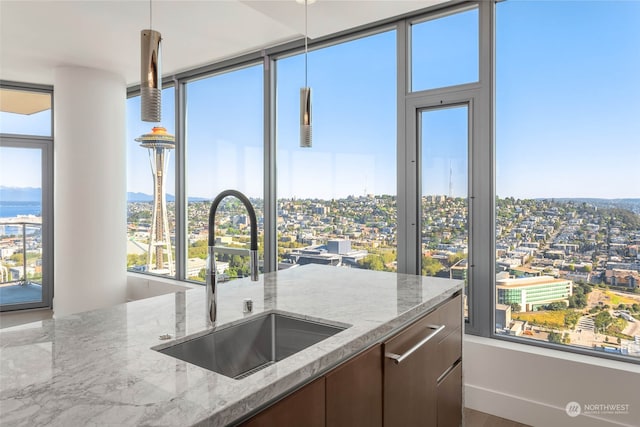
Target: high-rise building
pixel 159 142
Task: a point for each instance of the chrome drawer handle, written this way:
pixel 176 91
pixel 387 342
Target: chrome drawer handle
pixel 397 358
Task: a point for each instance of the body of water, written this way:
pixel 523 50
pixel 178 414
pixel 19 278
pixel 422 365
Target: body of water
pixel 14 209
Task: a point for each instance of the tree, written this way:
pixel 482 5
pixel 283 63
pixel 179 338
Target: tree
pixel 372 262
pixel 515 307
pixel 571 319
pixel 18 258
pixel 555 337
pixel 198 249
pixel 578 300
pixel 602 320
pixel 555 306
pixel 238 266
pixel 388 257
pixel 453 259
pixel 135 260
pixel 430 266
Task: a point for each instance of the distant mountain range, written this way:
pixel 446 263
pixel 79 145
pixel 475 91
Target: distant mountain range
pixel 142 197
pixel 32 194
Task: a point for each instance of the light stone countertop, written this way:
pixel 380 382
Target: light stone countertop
pixel 97 368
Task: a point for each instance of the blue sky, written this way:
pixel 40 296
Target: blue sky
pixel 14 162
pixel 567 113
pixel 568 85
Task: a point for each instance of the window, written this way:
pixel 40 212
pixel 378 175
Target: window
pixel 151 189
pixel 408 182
pixel 568 210
pixel 445 140
pixel 336 201
pixel 25 198
pixel 444 51
pixel 224 150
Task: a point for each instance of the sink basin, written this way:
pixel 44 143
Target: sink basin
pixel 239 350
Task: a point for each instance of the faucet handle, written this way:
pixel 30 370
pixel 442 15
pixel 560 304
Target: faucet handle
pixel 247 305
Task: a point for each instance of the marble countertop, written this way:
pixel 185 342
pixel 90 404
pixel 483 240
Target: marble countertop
pixel 99 368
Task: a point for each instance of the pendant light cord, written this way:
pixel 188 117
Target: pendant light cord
pixel 151 16
pixel 305 43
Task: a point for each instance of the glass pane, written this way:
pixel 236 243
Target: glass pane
pixel 568 189
pixel 444 140
pixel 444 51
pixel 151 189
pixel 25 112
pixel 337 200
pixel 224 151
pixel 20 225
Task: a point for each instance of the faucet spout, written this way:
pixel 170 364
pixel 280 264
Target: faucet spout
pixel 211 267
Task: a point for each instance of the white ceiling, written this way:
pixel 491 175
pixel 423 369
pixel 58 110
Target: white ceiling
pixel 38 36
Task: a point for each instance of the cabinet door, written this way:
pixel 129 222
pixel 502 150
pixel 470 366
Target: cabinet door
pixel 304 407
pixel 410 385
pixel 450 398
pixel 354 391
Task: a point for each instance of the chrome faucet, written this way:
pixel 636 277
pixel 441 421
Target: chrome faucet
pixel 211 265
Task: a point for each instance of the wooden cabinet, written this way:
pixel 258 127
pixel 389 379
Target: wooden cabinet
pixel 410 384
pixel 422 371
pixel 304 407
pixel 354 391
pixel 349 395
pixel 414 378
pixel 450 397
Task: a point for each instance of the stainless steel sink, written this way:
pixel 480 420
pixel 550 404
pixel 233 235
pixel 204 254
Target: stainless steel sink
pixel 239 350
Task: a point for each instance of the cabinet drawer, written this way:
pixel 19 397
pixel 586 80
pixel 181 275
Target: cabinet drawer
pixel 450 398
pixel 449 350
pixel 412 334
pixel 450 315
pixel 410 384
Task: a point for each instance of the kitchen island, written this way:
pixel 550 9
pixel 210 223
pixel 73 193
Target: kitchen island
pixel 100 368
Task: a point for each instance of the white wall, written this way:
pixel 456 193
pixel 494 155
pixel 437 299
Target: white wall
pixel 533 385
pixel 90 212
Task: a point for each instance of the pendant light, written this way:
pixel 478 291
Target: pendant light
pixel 305 94
pixel 150 73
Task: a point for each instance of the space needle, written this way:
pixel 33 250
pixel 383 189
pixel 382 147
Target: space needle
pixel 158 142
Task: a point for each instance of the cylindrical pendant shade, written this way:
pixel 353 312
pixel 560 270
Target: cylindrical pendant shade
pixel 150 76
pixel 305 117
